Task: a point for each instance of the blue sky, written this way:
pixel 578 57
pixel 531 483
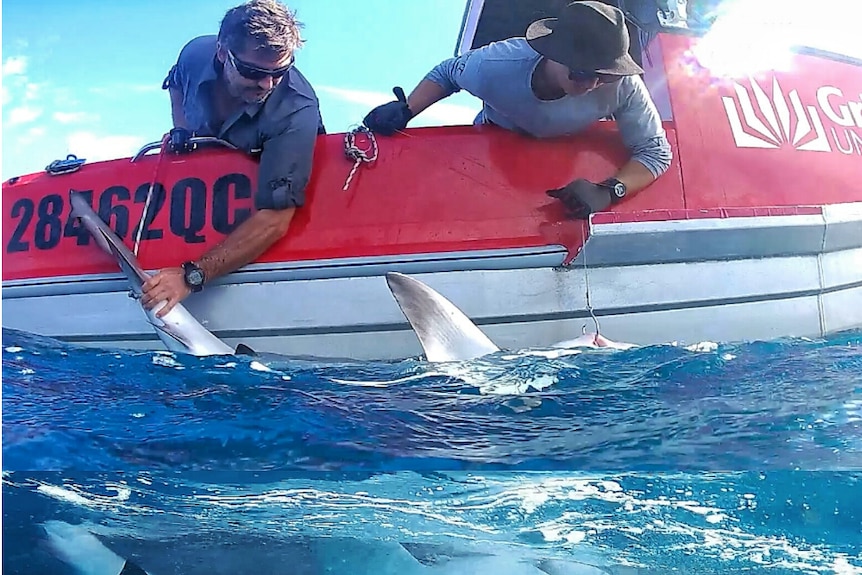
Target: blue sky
pixel 85 77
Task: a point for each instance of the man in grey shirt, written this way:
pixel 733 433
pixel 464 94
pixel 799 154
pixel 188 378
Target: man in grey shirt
pixel 242 86
pixel 565 74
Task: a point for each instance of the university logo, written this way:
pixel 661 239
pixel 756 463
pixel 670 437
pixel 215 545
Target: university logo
pixel 774 121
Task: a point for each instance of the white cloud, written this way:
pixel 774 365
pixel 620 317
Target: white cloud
pixel 95 147
pixel 441 112
pixel 14 65
pixel 74 117
pixel 23 115
pixel 31 136
pixel 31 91
pixel 7 95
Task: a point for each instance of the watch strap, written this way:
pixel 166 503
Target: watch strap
pixel 616 188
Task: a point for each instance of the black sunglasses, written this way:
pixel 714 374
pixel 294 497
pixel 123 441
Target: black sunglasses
pixel 582 75
pixel 586 76
pixel 252 72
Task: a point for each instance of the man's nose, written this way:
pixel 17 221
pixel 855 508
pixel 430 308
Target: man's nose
pixel 266 83
pixel 590 84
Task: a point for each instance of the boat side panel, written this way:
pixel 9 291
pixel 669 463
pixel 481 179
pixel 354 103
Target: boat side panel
pixel 762 320
pixel 724 301
pixel 276 307
pixel 842 310
pixel 735 322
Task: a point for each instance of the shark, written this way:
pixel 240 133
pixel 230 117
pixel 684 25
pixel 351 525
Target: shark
pixel 178 329
pixel 90 554
pixel 445 332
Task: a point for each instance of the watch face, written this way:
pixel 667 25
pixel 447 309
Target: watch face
pixel 619 190
pixel 195 277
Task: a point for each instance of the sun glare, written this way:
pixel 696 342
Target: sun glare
pixel 749 36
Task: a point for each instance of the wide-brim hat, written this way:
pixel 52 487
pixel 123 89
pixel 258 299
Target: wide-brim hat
pixel 586 36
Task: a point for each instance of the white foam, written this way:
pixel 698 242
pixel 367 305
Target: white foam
pixel 703 347
pixel 384 382
pixel 257 366
pixel 166 360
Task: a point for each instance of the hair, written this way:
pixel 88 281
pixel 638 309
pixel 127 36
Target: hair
pixel 266 25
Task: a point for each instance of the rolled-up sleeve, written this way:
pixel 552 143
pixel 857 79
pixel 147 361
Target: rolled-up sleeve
pixel 173 79
pixel 641 127
pixel 286 160
pixel 459 73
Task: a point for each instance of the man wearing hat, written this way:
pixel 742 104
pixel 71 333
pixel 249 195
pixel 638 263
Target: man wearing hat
pixel 567 73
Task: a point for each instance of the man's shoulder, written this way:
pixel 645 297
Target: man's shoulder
pixel 199 51
pixel 633 83
pixel 509 50
pixel 293 94
pixel 504 58
pixel 632 89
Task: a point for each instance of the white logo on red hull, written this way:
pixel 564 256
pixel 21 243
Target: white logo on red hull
pixel 778 128
pixel 781 120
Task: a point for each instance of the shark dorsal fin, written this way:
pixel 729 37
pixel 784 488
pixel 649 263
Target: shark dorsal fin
pixel 444 331
pixel 243 349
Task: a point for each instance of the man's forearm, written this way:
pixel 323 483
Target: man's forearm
pixel 424 95
pixel 253 237
pixel 635 176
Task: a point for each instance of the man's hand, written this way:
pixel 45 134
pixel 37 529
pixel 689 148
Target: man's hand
pixel 391 117
pixel 582 198
pixel 169 284
pixel 179 141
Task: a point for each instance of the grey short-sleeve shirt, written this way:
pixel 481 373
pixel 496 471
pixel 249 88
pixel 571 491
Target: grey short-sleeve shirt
pixel 283 129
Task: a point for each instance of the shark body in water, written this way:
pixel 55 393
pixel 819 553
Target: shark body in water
pixel 178 329
pixel 89 554
pixel 445 333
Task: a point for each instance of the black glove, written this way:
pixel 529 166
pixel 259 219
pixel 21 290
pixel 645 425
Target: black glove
pixel 582 198
pixel 179 141
pixel 391 117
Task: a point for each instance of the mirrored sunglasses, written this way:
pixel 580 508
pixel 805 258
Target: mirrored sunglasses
pixel 252 72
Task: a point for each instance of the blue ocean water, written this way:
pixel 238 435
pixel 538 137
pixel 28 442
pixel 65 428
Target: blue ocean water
pixel 664 459
pixel 788 404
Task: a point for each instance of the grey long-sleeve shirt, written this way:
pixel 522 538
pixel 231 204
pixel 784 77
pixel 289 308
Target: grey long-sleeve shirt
pixel 500 75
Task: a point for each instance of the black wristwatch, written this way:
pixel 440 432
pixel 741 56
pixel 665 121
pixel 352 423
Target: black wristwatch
pixel 616 187
pixel 194 276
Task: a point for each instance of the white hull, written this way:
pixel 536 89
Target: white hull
pixel 708 279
